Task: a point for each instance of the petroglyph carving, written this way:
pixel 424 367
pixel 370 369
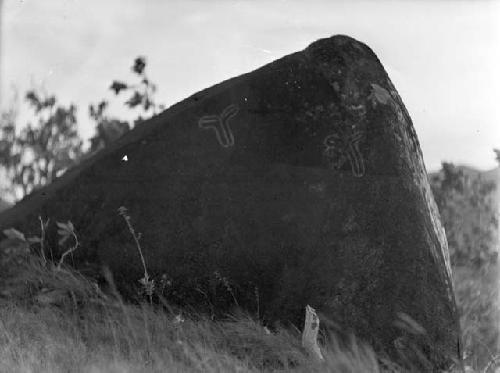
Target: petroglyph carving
pixel 220 124
pixel 343 146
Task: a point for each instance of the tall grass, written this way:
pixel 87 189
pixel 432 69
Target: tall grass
pixel 53 319
pixel 477 291
pixel 77 328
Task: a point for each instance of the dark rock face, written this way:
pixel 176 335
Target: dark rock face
pixel 299 183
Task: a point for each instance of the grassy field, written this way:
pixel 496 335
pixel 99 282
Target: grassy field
pixel 57 321
pixel 52 319
pixel 142 340
pixel 477 297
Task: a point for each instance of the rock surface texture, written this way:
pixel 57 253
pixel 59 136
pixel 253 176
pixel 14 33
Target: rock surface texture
pixel 299 183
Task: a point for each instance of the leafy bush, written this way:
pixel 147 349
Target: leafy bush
pixel 468 208
pixel 38 153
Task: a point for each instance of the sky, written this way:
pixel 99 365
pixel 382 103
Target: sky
pixel 443 56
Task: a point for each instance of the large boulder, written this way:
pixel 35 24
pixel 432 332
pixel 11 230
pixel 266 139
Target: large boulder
pixel 301 183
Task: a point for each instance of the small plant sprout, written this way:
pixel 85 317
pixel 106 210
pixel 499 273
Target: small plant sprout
pixel 65 231
pixel 257 300
pixel 14 234
pixel 178 319
pixel 147 283
pixel 224 280
pixel 41 240
pixel 15 246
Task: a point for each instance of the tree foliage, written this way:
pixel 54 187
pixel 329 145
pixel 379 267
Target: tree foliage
pixel 497 154
pixel 34 155
pixel 142 94
pixel 107 129
pixel 37 153
pixel 467 204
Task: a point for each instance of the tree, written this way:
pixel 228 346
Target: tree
pixel 38 153
pixel 141 97
pixel 142 93
pixel 497 154
pixel 107 129
pixel 465 203
pixel 7 140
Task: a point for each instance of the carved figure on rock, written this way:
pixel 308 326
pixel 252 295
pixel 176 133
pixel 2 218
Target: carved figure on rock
pixel 220 125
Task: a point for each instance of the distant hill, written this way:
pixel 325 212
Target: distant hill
pixel 488 176
pixel 492 175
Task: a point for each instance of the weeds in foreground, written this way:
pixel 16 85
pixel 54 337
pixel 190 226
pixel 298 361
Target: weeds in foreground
pixel 83 329
pixel 65 231
pixel 54 319
pixel 147 283
pixel 479 306
pixel 144 340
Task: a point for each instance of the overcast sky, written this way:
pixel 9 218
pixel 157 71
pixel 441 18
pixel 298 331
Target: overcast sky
pixel 443 56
